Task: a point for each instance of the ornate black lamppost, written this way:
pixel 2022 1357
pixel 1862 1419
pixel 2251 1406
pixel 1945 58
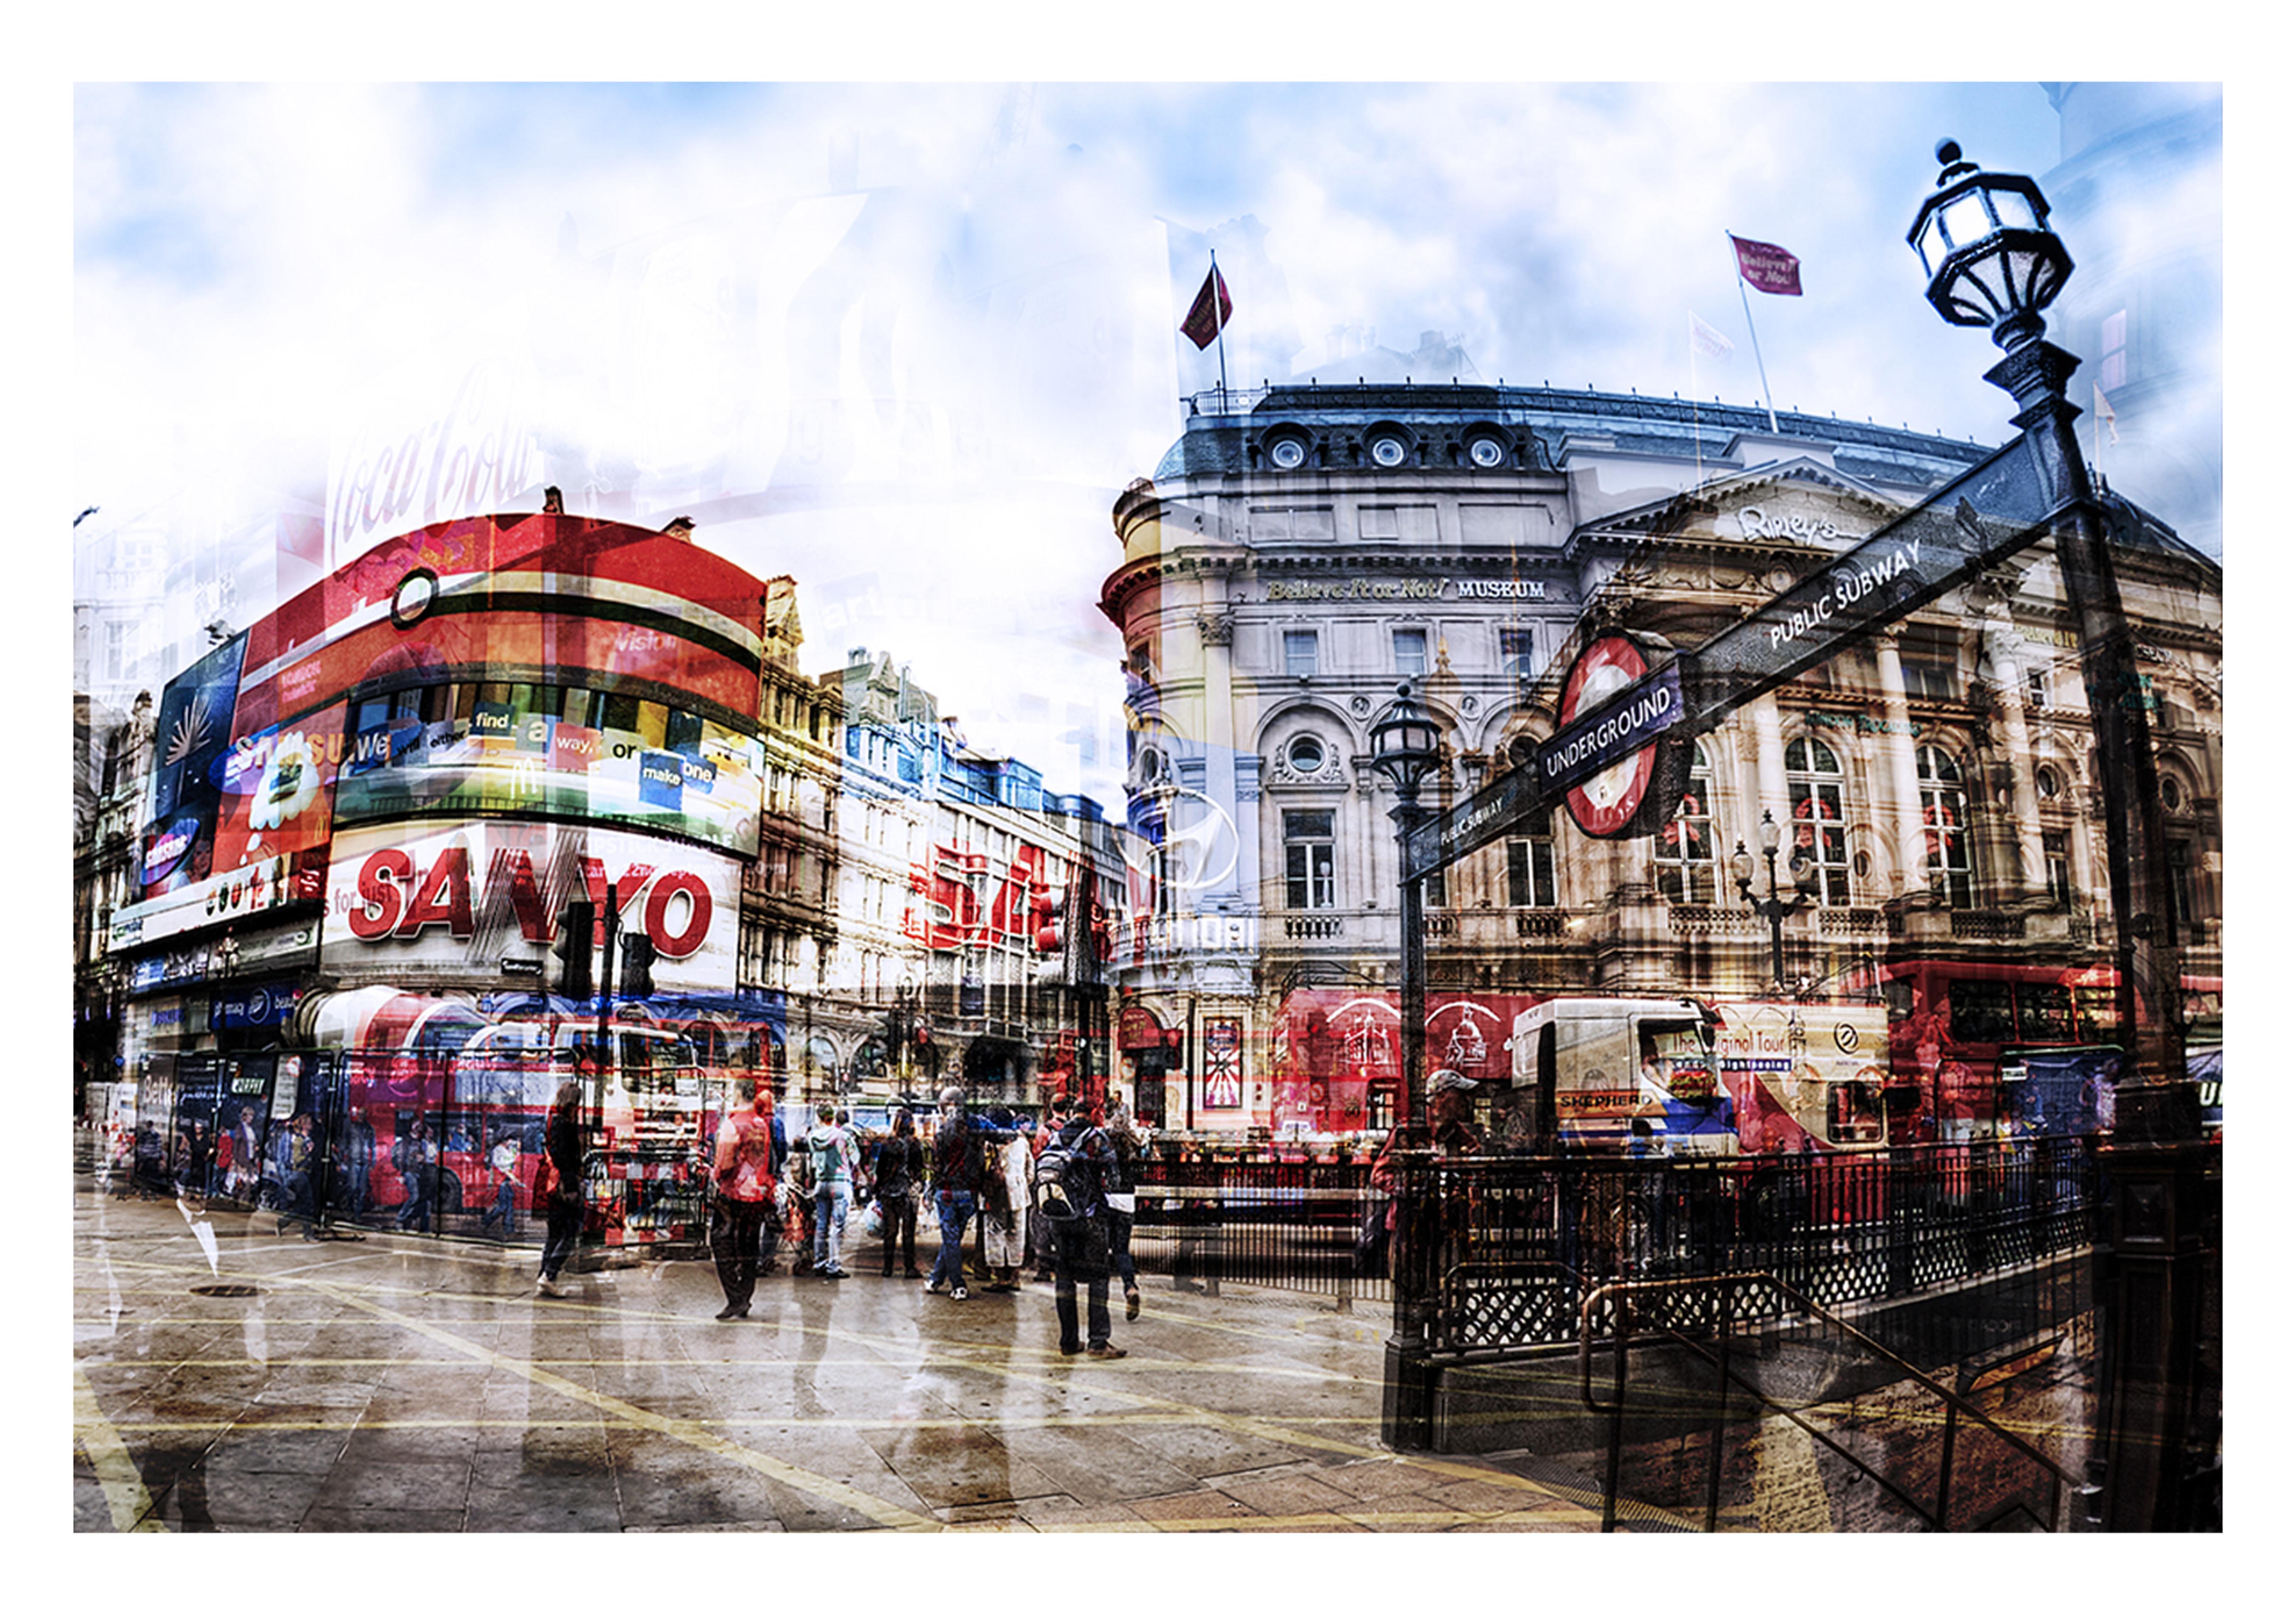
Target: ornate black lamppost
pixel 1404 748
pixel 1993 261
pixel 1775 908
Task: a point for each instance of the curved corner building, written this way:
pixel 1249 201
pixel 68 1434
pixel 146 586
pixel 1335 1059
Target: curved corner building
pixel 387 819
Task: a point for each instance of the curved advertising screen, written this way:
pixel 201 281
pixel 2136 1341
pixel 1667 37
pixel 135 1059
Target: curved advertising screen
pixel 512 749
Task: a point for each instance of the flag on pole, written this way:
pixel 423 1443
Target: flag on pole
pixel 2104 412
pixel 1768 268
pixel 1207 315
pixel 1708 341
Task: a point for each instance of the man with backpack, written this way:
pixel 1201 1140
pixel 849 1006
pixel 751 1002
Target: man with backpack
pixel 1073 1174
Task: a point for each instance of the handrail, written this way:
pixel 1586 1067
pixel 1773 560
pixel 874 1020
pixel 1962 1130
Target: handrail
pixel 1958 1407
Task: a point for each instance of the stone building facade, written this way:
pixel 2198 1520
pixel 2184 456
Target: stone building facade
pixel 1295 560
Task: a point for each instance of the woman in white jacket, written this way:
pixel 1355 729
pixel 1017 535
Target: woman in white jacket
pixel 1005 1228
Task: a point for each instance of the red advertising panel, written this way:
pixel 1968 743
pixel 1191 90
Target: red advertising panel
pixel 278 789
pixel 521 598
pixel 480 903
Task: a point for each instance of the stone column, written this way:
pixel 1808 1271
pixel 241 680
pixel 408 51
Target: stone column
pixel 1769 764
pixel 1905 780
pixel 1216 628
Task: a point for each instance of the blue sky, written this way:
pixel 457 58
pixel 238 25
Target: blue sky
pixel 267 277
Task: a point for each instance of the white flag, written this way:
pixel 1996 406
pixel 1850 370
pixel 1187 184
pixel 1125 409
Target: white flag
pixel 1708 341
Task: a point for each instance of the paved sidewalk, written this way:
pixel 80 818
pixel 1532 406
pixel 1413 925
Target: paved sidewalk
pixel 401 1383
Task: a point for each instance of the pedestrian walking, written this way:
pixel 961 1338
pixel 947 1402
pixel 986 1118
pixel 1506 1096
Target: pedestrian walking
pixel 300 1160
pixel 557 1185
pixel 830 1148
pixel 956 1190
pixel 1005 1183
pixel 1040 1228
pixel 1072 1178
pixel 359 1169
pixel 741 1175
pixel 794 1199
pixel 504 1159
pixel 1130 1137
pixel 900 1176
pixel 416 1154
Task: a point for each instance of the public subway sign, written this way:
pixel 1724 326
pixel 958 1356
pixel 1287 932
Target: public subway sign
pixel 1995 508
pixel 1987 513
pixel 481 900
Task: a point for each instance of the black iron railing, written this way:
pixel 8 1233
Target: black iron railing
pixel 1502 1248
pixel 1311 1226
pixel 1507 1246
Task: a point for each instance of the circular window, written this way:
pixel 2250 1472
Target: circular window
pixel 1487 452
pixel 1287 454
pixel 1305 754
pixel 2046 780
pixel 413 597
pixel 1388 451
pixel 2172 795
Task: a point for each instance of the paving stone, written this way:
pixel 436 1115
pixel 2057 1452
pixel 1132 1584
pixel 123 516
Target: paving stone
pixel 1209 1506
pixel 1286 1495
pixel 397 1486
pixel 383 1520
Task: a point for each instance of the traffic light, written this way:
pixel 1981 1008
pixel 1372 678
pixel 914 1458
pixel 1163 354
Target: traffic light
pixel 637 966
pixel 1045 915
pixel 576 927
pixel 895 1033
pixel 924 1031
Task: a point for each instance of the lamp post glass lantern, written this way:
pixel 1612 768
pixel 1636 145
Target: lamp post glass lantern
pixel 1404 746
pixel 1985 241
pixel 1775 906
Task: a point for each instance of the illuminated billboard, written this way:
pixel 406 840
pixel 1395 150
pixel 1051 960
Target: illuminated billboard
pixel 278 789
pixel 193 736
pixel 480 902
pixel 574 753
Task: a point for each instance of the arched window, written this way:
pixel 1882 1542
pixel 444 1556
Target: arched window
pixel 1945 824
pixel 1684 857
pixel 1814 786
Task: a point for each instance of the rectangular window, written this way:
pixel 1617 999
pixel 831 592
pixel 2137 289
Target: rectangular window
pixel 1411 653
pixel 2045 1013
pixel 1932 681
pixel 2037 687
pixel 1518 652
pixel 1531 873
pixel 123 647
pixel 1434 891
pixel 1980 1013
pixel 1307 878
pixel 2056 854
pixel 2113 359
pixel 1300 653
pixel 2181 893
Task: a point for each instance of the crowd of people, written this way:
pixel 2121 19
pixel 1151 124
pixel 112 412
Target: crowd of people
pixel 1054 1196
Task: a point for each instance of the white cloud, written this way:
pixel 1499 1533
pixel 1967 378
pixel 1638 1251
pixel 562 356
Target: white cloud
pixel 988 349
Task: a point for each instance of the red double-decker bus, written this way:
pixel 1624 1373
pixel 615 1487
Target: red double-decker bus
pixel 1952 1021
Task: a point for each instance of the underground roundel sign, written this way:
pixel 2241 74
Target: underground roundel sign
pixel 1606 804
